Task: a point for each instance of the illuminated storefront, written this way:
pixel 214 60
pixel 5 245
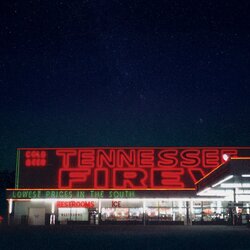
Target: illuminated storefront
pixel 139 185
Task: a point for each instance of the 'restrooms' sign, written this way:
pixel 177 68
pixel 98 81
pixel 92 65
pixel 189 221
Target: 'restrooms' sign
pixel 140 168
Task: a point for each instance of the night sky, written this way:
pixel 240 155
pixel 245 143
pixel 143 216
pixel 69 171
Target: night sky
pixel 123 73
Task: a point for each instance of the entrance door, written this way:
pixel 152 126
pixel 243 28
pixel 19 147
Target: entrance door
pixel 72 214
pixel 37 216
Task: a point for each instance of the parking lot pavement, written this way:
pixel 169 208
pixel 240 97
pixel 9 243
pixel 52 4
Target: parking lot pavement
pixel 124 237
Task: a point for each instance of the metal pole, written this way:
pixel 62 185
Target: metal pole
pixel 10 207
pixel 234 206
pixel 235 198
pixel 187 213
pixel 99 211
pixel 144 216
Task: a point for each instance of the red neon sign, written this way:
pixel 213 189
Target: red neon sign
pixel 119 168
pixel 75 204
pixel 35 158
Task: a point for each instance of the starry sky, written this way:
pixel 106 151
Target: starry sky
pixel 123 73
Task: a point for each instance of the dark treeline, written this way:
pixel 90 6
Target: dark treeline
pixel 7 180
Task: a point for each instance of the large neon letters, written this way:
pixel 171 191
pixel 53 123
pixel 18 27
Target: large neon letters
pixel 66 154
pixel 167 178
pixel 127 168
pixel 129 178
pixel 72 178
pixel 168 158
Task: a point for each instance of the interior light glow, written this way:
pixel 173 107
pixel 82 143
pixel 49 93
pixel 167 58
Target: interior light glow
pixel 180 206
pixel 144 206
pixel 235 185
pixel 10 206
pixel 231 185
pixel 218 207
pixel 245 175
pixel 244 197
pixel 243 192
pixel 216 194
pixel 225 179
pixel 191 206
pixel 247 205
pixel 246 185
pixel 53 207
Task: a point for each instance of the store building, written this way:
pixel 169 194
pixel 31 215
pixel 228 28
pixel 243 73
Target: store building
pixel 139 185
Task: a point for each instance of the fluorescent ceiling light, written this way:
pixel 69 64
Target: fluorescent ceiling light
pixel 243 192
pixel 235 185
pixel 246 185
pixel 231 185
pixel 204 191
pixel 225 179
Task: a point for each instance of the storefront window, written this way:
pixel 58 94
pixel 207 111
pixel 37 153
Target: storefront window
pixel 72 214
pixel 173 211
pixel 197 214
pixel 135 214
pixel 209 211
pixel 122 214
pixel 166 214
pixel 178 214
pixel 152 213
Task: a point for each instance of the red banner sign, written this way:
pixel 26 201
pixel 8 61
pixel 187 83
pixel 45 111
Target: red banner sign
pixel 119 168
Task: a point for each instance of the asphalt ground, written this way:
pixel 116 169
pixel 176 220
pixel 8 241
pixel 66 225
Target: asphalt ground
pixel 124 237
